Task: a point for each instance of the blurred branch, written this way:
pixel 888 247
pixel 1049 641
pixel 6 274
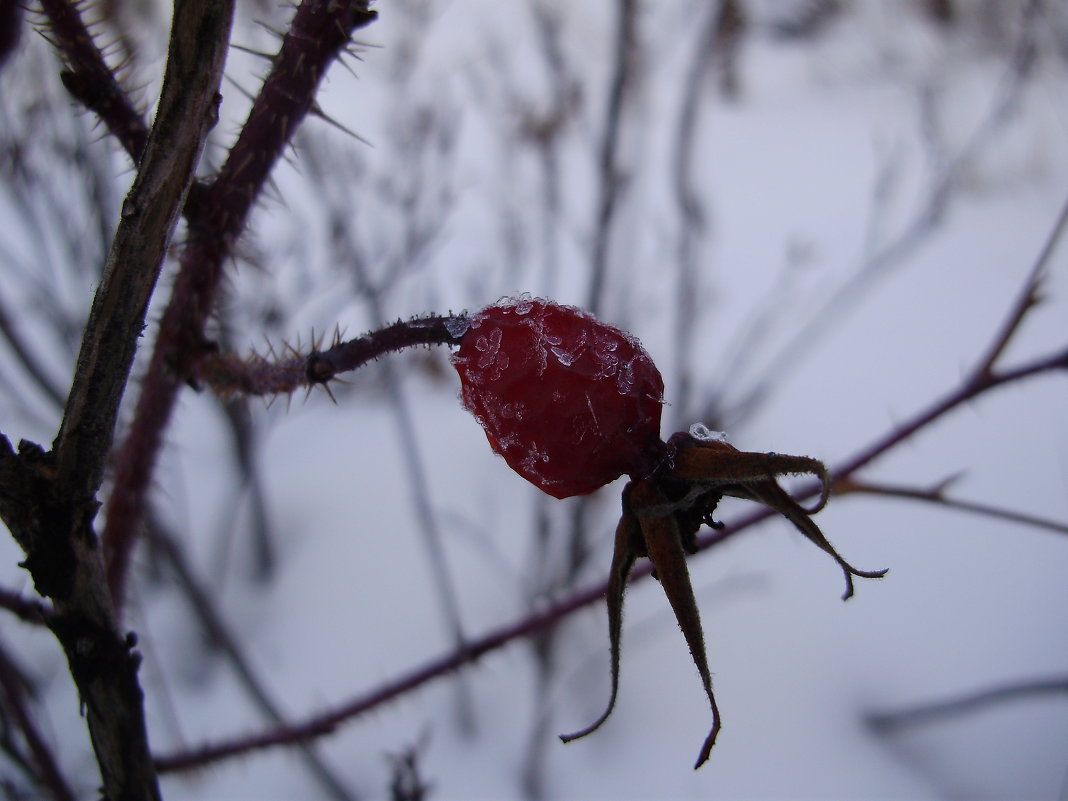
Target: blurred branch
pixel 923 714
pixel 48 500
pixel 611 180
pixel 327 722
pixel 28 610
pixel 926 220
pixel 692 209
pixel 40 763
pixel 29 362
pixel 222 637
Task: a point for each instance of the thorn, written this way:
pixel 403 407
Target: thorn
pixel 317 110
pixel 252 52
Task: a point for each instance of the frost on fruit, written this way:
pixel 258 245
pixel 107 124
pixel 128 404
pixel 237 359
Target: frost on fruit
pixel 457 326
pixel 702 432
pixel 569 402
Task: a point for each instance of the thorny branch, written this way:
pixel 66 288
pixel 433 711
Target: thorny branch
pixel 318 33
pixel 90 80
pixel 227 373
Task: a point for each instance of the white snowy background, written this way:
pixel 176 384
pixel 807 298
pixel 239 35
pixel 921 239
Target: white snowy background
pixel 880 143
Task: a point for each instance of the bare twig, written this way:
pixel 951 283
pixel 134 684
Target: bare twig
pixel 28 610
pixel 30 363
pixel 258 375
pixel 1029 295
pixel 222 637
pixel 46 771
pixel 922 714
pixel 929 214
pixel 937 495
pixel 694 217
pixel 611 181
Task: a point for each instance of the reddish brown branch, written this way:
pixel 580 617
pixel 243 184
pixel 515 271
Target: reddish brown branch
pixel 227 373
pixel 937 495
pixel 90 80
pixel 327 722
pixel 320 30
pixel 42 762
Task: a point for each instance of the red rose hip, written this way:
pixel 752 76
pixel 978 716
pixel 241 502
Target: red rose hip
pixel 569 402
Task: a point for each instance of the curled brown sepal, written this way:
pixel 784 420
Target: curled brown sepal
pixel 721 468
pixel 649 528
pixel 662 513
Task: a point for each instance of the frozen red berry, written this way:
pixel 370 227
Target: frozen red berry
pixel 569 402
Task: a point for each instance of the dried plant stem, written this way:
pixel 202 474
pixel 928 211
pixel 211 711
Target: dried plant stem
pixel 885 722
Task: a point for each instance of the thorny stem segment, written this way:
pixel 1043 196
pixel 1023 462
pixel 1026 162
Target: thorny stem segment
pixel 90 80
pixel 227 373
pixel 751 476
pixel 320 30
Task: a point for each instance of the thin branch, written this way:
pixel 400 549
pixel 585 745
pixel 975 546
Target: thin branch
pixel 325 723
pixel 877 265
pixel 610 177
pixel 922 714
pixel 187 111
pixel 693 210
pixel 48 500
pixel 228 374
pixel 30 363
pixel 1029 296
pixel 222 637
pixel 47 772
pixel 937 496
pixel 28 610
